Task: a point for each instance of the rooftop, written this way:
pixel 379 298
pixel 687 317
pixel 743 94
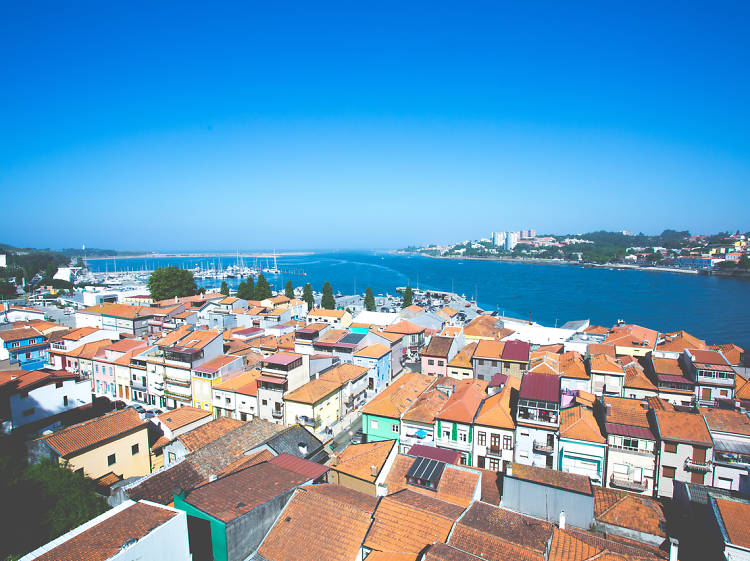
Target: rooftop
pixel 182 416
pixel 628 510
pixel 578 423
pixel 373 351
pixel 726 420
pixel 735 517
pixel 439 347
pixel 205 434
pixel 552 478
pixel 358 460
pixel 240 492
pixel 683 427
pixel 397 397
pixel 540 387
pixel 82 436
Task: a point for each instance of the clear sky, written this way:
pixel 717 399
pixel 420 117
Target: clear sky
pixel 252 125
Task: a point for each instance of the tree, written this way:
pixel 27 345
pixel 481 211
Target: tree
pixel 244 291
pixel 744 262
pixel 7 290
pixel 224 288
pixel 168 282
pixel 262 289
pixel 328 302
pixel 307 296
pixel 251 289
pixel 408 297
pixel 369 300
pixel 289 290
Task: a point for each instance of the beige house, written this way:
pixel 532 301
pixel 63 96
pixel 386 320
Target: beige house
pixel 364 467
pixel 336 318
pixel 115 443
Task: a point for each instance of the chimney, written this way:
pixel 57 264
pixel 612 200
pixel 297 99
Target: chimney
pixel 562 519
pixel 381 490
pixel 509 469
pixel 374 471
pixel 335 460
pixel 674 546
pixel 302 448
pixel 212 477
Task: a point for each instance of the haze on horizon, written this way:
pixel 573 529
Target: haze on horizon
pixel 179 126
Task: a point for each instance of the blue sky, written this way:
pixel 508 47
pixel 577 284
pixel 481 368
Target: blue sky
pixel 368 125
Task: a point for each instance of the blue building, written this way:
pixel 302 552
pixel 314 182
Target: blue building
pixel 377 358
pixel 24 346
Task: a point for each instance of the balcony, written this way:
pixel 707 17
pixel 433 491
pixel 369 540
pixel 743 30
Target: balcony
pixel 308 421
pixel 697 466
pixel 543 447
pixel 178 382
pixel 178 396
pixel 625 483
pixel 494 450
pixel 277 414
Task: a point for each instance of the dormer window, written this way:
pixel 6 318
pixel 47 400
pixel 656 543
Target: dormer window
pixel 425 473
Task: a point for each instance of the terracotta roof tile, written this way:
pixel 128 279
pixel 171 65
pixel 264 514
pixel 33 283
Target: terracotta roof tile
pixel 736 519
pixel 464 356
pixel 357 459
pixel 489 349
pixel 373 351
pixel 315 527
pixel 636 378
pixel 577 545
pixel 726 420
pixel 552 478
pixel 238 493
pixel 79 437
pixel 404 327
pixel 438 347
pixel 313 391
pixel 530 534
pixel 397 397
pixel 578 423
pixel 495 411
pixel 430 402
pixel 182 416
pixel 199 437
pixel 361 501
pixel 683 427
pixel 629 510
pixel 104 540
pixel 407 522
pixel 626 411
pixel 462 406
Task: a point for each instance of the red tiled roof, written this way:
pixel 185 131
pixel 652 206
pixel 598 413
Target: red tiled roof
pixel 542 387
pixel 82 436
pixel 304 467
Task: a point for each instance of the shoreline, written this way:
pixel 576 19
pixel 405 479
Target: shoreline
pixel 558 262
pixel 200 255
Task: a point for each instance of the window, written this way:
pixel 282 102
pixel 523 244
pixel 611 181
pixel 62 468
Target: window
pixel 28 412
pixel 265 402
pixel 110 459
pixel 374 424
pixel 446 434
pixel 507 442
pixel 394 428
pixel 440 363
pixel 430 362
pixel 171 457
pixel 65 401
pixel 668 472
pixel 670 447
pixel 228 400
pixel 480 362
pixel 134 449
pixel 494 464
pixel 58 384
pixel 482 438
pixel 463 437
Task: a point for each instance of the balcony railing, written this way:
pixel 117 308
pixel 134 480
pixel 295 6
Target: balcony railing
pixel 543 447
pixel 179 396
pixel 308 421
pixel 697 466
pixel 629 484
pixel 494 450
pixel 178 382
pixel 277 414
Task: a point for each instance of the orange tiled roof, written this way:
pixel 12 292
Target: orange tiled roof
pixel 596 330
pixel 736 518
pixel 606 364
pixel 80 333
pixel 629 510
pixel 456 485
pixel 205 434
pixel 726 420
pixel 427 405
pixel 683 427
pixel 629 335
pixel 104 540
pixel 637 379
pixel 397 397
pixel 482 327
pixel 182 416
pixel 322 312
pixel 464 356
pixel 361 501
pixel 626 411
pixel 463 404
pixel 678 341
pixel 572 366
pixel 495 410
pixel 120 310
pixel 578 423
pixel 88 434
pixel 733 353
pixel 321 526
pixel 404 327
pixel 406 522
pixel 313 391
pixel 489 349
pixel 601 349
pixel 576 545
pixel 357 459
pixel 373 351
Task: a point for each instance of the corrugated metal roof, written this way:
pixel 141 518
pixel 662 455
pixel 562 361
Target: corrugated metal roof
pixel 629 430
pixel 541 387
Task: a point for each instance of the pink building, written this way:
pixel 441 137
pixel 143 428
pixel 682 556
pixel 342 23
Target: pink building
pixel 436 355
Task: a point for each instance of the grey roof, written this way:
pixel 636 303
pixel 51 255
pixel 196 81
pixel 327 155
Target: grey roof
pixel 729 445
pixel 576 324
pixel 429 321
pixel 699 493
pixel 289 440
pixel 351 339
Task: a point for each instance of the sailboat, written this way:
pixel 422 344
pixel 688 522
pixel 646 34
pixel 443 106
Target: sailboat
pixel 275 269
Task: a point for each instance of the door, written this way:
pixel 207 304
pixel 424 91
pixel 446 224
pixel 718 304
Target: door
pixel 495 443
pixel 706 394
pixel 549 462
pixel 127 392
pixel 480 462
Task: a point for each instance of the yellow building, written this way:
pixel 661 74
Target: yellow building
pixel 210 374
pixel 316 404
pixel 115 443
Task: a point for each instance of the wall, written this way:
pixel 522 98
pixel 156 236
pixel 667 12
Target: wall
pixel 386 429
pixel 245 533
pixel 218 529
pixel 618 460
pixel 575 384
pixel 545 502
pixel 167 542
pixel 524 452
pixel 677 461
pixel 484 450
pixel 48 401
pixel 582 458
pixel 350 482
pixel 94 462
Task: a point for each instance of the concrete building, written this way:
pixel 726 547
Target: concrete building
pixel 24 346
pixel 495 429
pixel 730 432
pixel 713 376
pixel 582 448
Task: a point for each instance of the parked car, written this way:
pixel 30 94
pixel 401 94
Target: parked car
pixel 358 437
